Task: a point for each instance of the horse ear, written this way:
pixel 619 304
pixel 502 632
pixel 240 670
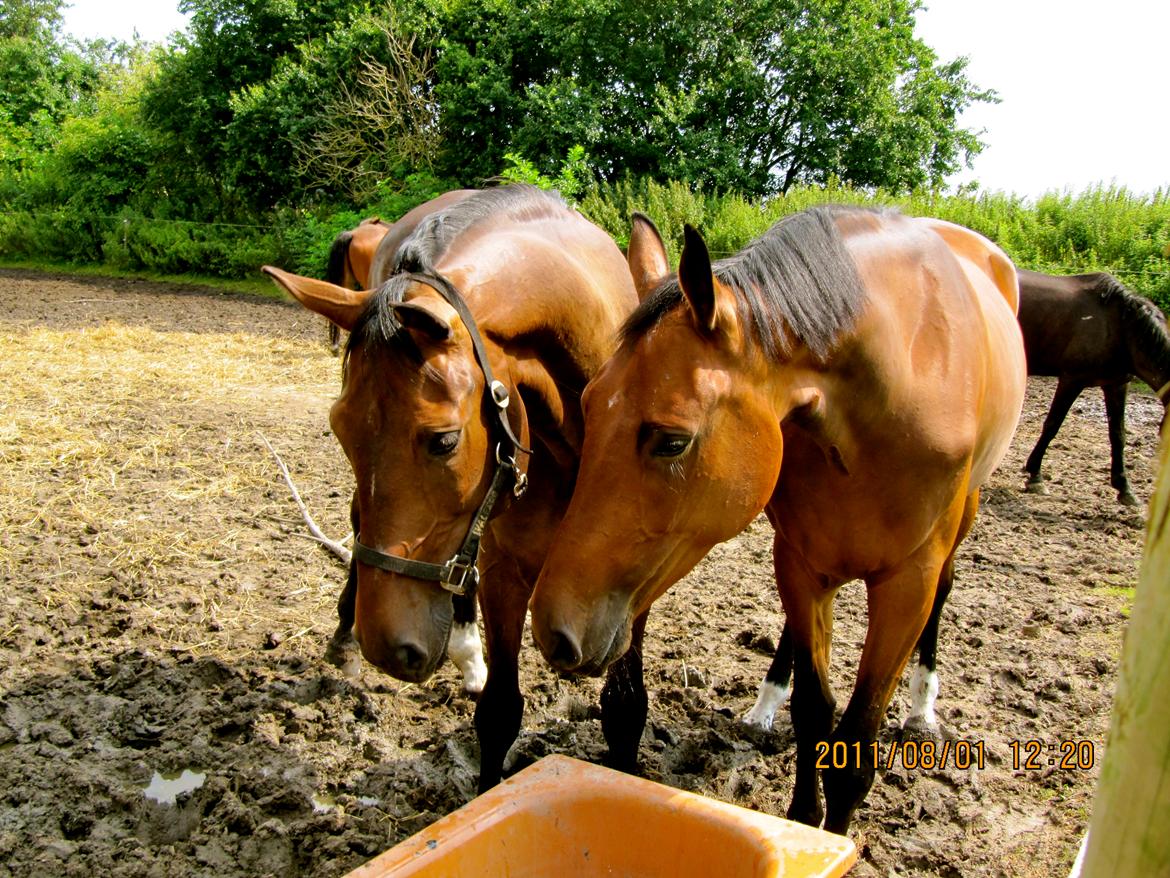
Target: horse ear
pixel 423 323
pixel 646 255
pixel 340 305
pixel 695 278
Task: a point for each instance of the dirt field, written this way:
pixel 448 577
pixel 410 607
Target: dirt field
pixel 162 613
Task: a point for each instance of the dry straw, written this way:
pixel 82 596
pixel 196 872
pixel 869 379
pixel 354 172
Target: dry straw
pixel 134 490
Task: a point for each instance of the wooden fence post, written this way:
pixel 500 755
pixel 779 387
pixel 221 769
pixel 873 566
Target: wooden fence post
pixel 1129 832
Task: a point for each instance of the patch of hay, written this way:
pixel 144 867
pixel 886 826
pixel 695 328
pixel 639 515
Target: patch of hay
pixel 135 486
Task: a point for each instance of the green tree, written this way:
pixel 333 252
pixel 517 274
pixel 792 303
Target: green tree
pixel 754 95
pixel 224 162
pixel 42 81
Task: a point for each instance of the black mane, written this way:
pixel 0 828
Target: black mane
pixel 795 281
pixel 1141 318
pixel 428 243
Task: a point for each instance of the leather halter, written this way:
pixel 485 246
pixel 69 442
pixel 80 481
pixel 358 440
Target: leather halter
pixel 459 575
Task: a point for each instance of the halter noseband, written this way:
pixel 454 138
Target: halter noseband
pixel 459 575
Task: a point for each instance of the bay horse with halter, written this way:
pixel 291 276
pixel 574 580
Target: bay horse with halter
pixel 1088 330
pixel 460 415
pixel 354 254
pixel 855 374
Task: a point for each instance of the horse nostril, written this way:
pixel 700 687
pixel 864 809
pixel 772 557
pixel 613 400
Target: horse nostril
pixel 564 653
pixel 409 658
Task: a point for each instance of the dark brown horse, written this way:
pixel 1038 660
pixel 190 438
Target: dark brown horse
pixel 474 348
pixel 354 254
pixel 370 251
pixel 857 375
pixel 1088 330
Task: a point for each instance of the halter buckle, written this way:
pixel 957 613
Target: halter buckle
pixel 456 573
pixel 500 394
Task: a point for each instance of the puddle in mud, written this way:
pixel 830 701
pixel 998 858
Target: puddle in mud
pixel 166 788
pixel 323 802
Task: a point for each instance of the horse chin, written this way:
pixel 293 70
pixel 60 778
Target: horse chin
pixel 598 663
pixel 411 659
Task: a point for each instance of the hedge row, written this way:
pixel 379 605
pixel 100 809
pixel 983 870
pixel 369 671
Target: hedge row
pixel 1101 229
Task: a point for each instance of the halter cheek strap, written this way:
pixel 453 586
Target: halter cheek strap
pixel 459 575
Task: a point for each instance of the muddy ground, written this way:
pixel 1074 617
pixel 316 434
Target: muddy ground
pixel 162 613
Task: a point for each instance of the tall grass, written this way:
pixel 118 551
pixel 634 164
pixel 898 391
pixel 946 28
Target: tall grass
pixel 1100 229
pixel 1104 228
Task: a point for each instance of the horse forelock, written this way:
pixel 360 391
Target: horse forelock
pixel 378 328
pixel 796 281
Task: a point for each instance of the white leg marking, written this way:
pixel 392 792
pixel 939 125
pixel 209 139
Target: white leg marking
pixel 771 698
pixel 466 652
pixel 923 693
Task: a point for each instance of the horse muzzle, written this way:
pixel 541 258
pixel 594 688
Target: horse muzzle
pixel 604 640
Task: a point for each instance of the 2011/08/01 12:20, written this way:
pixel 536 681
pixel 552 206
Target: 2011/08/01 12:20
pixel 1030 755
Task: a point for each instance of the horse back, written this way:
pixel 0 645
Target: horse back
pixel 1072 326
pixel 382 261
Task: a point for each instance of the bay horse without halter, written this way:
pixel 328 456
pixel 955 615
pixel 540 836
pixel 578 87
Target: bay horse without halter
pixel 353 253
pixel 475 346
pixel 1088 330
pixel 857 375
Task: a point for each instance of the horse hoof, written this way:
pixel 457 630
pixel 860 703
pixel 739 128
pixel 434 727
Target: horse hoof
pixel 918 728
pixel 1125 498
pixel 344 656
pixel 754 720
pixel 1035 486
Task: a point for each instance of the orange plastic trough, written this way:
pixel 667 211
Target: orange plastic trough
pixel 565 818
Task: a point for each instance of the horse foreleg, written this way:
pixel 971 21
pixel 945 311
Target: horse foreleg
pixel 899 604
pixel 1066 393
pixel 1115 395
pixel 464 648
pixel 808 611
pixel 500 709
pixel 334 337
pixel 924 679
pixel 624 704
pixel 776 687
pixel 342 649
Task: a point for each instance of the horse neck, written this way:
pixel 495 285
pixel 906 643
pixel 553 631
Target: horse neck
pixel 1149 350
pixel 546 362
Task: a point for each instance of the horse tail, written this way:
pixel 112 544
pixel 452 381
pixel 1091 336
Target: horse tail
pixel 337 269
pixel 1145 327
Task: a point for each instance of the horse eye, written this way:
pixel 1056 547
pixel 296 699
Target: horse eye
pixel 670 445
pixel 443 444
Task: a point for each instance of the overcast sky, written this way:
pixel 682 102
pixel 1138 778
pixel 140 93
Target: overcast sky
pixel 1084 89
